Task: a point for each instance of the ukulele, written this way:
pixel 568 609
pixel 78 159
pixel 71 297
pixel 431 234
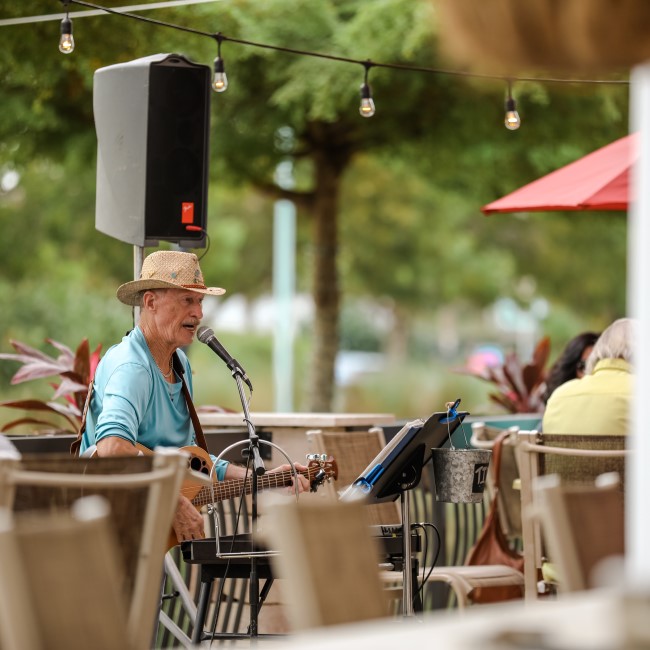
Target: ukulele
pixel 320 468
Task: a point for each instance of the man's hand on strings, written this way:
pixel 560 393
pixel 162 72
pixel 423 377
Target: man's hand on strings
pixel 303 483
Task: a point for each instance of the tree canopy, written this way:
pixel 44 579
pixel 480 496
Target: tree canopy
pixel 388 207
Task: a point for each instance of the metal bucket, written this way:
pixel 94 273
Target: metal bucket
pixel 460 474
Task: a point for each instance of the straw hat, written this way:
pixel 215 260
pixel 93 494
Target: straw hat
pixel 167 270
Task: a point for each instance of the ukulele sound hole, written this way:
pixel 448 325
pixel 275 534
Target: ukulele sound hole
pixel 199 465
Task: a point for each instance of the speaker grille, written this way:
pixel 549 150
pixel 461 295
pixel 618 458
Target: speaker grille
pixel 177 150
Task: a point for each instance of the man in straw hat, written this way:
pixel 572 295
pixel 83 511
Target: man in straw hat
pixel 138 395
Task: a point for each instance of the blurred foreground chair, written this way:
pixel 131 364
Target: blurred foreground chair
pixel 142 492
pixel 325 555
pixel 578 460
pixel 582 526
pixel 60 580
pixel 353 451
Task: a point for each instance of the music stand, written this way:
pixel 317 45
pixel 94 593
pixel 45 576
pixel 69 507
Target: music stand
pixel 397 469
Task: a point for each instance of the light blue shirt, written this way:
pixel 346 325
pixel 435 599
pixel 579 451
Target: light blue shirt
pixel 132 400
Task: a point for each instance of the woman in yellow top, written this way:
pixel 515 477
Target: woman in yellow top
pixel 600 402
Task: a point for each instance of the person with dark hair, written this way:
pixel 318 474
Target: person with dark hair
pixel 571 363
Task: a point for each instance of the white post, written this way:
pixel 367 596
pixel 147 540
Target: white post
pixel 638 476
pixel 284 280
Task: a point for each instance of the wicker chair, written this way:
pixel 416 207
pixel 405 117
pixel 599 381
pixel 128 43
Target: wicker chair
pixel 578 460
pixel 142 492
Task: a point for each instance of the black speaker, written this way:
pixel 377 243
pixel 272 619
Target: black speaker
pixel 152 118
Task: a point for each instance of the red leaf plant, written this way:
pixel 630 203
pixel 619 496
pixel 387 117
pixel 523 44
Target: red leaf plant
pixel 76 371
pixel 520 386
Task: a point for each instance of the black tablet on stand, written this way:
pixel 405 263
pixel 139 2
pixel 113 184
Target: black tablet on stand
pixel 398 466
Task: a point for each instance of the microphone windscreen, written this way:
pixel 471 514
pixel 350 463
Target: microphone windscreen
pixel 204 333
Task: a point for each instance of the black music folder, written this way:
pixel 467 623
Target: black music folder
pixel 398 466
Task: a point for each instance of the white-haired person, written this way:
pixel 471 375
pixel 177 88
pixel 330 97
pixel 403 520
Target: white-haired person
pixel 138 396
pixel 600 402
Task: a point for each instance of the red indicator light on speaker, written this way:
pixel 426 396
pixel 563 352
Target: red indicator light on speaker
pixel 194 228
pixel 187 213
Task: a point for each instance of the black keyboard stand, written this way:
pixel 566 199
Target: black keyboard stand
pixel 210 572
pixel 202 552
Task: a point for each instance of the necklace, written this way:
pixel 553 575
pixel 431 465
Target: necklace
pixel 167 375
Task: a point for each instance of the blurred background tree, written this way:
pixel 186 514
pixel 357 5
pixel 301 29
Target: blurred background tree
pixel 388 207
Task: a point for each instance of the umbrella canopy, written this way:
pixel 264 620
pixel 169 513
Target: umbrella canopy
pixel 598 181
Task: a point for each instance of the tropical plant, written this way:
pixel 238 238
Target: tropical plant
pixel 520 385
pixel 76 371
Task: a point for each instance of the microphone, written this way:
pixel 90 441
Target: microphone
pixel 206 335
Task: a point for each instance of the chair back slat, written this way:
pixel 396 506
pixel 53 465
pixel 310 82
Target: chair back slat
pixel 583 525
pixel 127 506
pixel 68 587
pixel 583 470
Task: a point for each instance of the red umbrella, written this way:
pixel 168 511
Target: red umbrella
pixel 598 181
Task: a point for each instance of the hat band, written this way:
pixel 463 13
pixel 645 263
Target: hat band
pixel 194 286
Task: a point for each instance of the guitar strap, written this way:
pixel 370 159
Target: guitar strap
pixel 178 367
pixel 198 429
pixel 76 443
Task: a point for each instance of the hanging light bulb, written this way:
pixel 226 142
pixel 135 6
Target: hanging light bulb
pixel 367 106
pixel 220 80
pixel 66 42
pixel 511 120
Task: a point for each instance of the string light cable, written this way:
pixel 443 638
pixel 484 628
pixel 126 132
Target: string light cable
pixel 149 6
pixel 222 81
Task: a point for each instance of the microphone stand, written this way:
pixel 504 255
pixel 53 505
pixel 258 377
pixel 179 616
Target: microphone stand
pixel 258 470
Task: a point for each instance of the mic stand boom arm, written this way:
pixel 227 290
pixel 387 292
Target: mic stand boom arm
pixel 253 438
